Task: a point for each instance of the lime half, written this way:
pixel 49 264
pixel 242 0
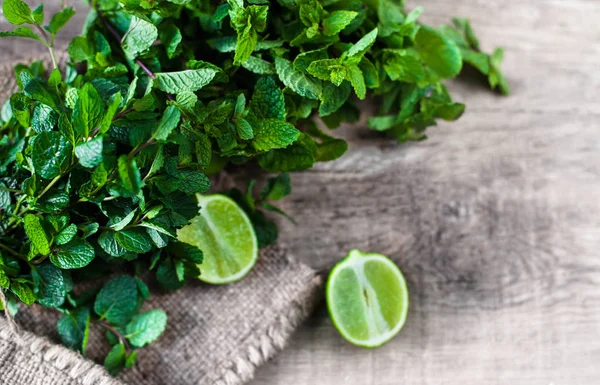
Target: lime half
pixel 367 298
pixel 225 235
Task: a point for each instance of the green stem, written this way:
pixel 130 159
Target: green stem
pixel 11 251
pixel 49 44
pixel 49 186
pixel 122 339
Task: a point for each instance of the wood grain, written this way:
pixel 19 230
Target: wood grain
pixel 494 219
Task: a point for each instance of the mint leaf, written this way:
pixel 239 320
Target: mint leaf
pixel 170 37
pixel 139 38
pixel 22 290
pixel 73 255
pixel 337 21
pixel 25 32
pixel 361 46
pixel 115 360
pixel 60 19
pixel 268 101
pixel 73 329
pixel 89 110
pixel 146 327
pixel 49 285
pixel 168 122
pixel 134 240
pixel 17 12
pixel 190 80
pixel 36 234
pixel 108 242
pixel 66 234
pixel 277 188
pixel 117 300
pixel 296 80
pixel 129 174
pixel 90 153
pixel 38 14
pixel 274 133
pixel 259 66
pixel 439 53
pixel 298 156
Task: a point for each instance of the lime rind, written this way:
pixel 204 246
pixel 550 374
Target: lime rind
pixel 242 265
pixel 379 331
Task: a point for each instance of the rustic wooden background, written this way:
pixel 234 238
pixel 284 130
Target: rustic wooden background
pixel 494 220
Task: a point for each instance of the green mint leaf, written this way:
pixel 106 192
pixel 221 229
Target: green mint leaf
pixel 246 44
pixel 170 37
pixel 90 153
pixel 297 81
pixel 298 156
pixel 337 21
pixel 259 66
pixel 89 110
pixel 277 188
pixel 38 14
pixel 49 285
pixel 465 26
pixel 51 154
pixel 74 328
pixel 168 122
pixel 244 129
pixel 268 101
pixel 334 98
pixel 117 301
pixel 66 235
pixel 146 327
pixel 23 291
pixel 44 119
pixel 120 225
pixel 113 106
pixel 38 91
pixel 402 65
pixel 304 60
pixel 115 360
pixel 81 49
pixel 273 133
pixel 193 181
pixel 203 150
pixel 73 255
pixel 134 240
pixel 17 12
pixel 129 174
pixel 36 234
pixel 108 242
pixel 60 19
pixel 363 45
pixel 190 80
pixel 357 80
pixel 139 38
pixel 496 78
pixel 439 53
pixel 25 32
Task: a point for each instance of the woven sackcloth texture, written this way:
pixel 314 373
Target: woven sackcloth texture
pixel 216 335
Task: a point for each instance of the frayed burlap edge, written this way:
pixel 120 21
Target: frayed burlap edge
pixel 265 343
pixel 70 364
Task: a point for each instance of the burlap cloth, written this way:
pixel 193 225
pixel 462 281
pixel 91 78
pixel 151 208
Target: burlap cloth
pixel 215 334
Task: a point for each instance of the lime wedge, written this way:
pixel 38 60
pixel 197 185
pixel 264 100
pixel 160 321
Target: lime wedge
pixel 367 298
pixel 225 235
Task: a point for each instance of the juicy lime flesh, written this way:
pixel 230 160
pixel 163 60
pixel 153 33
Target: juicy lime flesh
pixel 226 237
pixel 367 299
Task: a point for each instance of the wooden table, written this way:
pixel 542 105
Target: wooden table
pixel 494 220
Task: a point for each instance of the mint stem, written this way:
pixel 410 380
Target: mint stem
pixel 119 38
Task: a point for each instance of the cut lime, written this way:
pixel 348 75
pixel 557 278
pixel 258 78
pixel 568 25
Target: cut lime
pixel 225 235
pixel 367 298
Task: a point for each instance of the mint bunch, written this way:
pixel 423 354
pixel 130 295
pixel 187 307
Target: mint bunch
pixel 101 159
